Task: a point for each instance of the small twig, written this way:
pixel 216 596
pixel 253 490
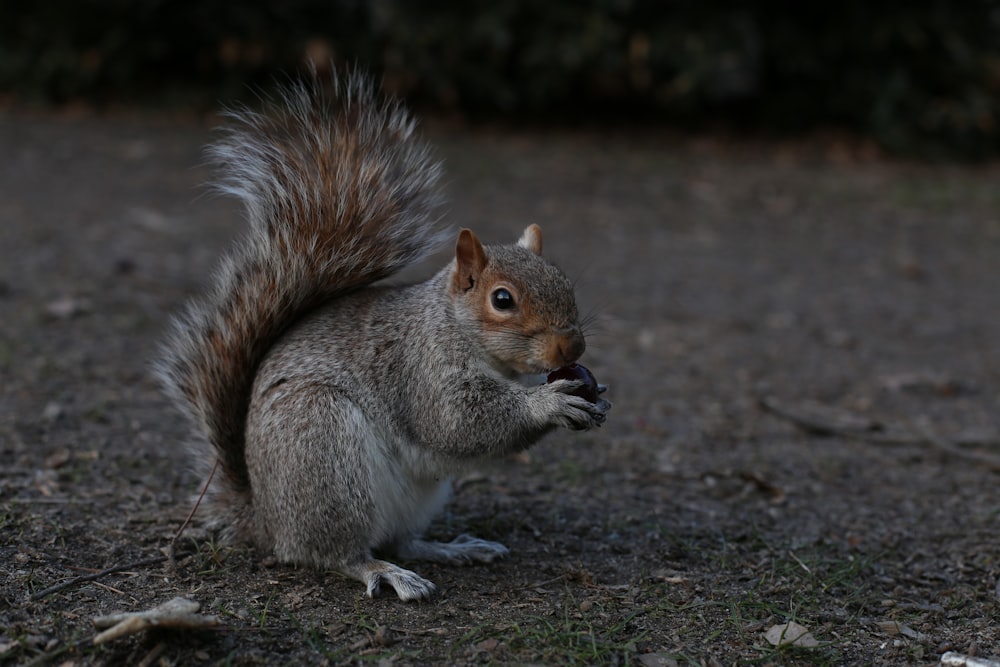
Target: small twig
pixel 197 503
pixel 811 420
pixel 541 584
pixel 49 656
pixel 153 655
pixel 982 458
pixel 96 575
pixel 822 420
pixel 111 588
pixel 47 501
pixel 178 613
pixel 799 561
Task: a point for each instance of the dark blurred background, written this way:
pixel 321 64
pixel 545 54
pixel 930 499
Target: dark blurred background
pixel 918 78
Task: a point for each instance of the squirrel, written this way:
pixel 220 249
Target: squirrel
pixel 337 410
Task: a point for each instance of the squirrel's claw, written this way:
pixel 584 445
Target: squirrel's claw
pixel 575 412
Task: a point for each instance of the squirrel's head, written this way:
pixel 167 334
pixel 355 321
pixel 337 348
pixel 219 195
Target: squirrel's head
pixel 524 306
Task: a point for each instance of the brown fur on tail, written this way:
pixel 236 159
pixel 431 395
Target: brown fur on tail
pixel 338 193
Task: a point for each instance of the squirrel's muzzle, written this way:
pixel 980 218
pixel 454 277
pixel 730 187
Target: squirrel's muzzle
pixel 566 347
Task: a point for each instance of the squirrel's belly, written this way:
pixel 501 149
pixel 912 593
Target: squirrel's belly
pixel 406 499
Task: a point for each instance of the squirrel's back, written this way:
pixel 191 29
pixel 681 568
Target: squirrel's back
pixel 338 193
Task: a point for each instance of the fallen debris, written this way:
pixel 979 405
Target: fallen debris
pixel 952 659
pixel 179 613
pixel 893 628
pixel 96 575
pixel 827 420
pixel 790 634
pixel 657 660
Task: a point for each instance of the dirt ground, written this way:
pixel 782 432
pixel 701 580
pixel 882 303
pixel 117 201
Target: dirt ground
pixel 802 347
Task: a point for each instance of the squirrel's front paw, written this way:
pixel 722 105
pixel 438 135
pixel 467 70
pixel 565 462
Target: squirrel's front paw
pixel 574 412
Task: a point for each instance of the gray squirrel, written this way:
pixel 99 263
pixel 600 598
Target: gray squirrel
pixel 337 410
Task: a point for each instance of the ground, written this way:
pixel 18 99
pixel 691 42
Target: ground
pixel 801 344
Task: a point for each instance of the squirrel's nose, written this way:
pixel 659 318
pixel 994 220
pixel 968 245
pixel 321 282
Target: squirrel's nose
pixel 570 346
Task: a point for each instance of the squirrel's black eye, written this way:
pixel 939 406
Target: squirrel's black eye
pixel 502 299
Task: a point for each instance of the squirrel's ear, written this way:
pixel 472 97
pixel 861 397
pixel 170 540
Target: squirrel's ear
pixel 532 239
pixel 470 260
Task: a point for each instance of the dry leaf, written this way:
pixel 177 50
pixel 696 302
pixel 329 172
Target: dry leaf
pixel 952 659
pixel 888 627
pixel 656 660
pixel 57 459
pixel 488 645
pixel 893 628
pixel 790 634
pixel 67 307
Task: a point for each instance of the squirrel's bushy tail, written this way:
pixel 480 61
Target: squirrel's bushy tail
pixel 338 193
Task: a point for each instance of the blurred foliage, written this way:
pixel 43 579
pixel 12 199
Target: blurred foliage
pixel 105 50
pixel 920 77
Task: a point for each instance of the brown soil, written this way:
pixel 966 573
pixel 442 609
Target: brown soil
pixel 801 344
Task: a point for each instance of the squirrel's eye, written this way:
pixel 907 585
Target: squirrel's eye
pixel 502 299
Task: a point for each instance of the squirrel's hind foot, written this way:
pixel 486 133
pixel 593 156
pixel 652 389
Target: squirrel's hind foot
pixel 462 550
pixel 408 585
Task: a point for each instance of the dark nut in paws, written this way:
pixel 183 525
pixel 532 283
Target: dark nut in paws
pixel 586 391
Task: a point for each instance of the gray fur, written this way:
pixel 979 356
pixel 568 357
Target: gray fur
pixel 339 410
